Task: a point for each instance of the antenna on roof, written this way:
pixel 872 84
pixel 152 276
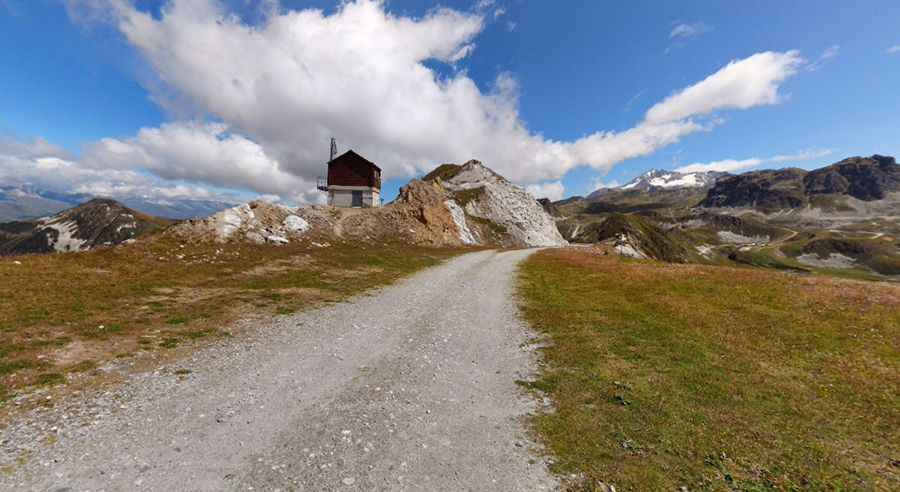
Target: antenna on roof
pixel 333 149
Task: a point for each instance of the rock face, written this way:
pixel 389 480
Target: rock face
pixel 763 189
pixel 503 208
pixel 863 178
pixel 99 222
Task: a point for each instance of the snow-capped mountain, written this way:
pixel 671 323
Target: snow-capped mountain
pixel 658 178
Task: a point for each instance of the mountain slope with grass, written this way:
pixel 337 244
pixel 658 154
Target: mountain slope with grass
pixel 692 377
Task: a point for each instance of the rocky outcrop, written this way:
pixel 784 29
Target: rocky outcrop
pixel 503 208
pixel 767 190
pixel 99 222
pixel 256 222
pixel 863 178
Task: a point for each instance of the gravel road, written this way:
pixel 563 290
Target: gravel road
pixel 409 388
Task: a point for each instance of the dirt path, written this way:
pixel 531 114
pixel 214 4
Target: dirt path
pixel 412 388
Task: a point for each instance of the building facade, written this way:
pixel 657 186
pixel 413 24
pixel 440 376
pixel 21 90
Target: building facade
pixel 352 182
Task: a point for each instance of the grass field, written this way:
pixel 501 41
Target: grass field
pixel 715 378
pixel 68 313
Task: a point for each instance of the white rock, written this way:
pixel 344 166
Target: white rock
pixel 507 205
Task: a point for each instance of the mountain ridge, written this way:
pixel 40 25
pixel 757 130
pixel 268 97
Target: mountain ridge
pixel 97 222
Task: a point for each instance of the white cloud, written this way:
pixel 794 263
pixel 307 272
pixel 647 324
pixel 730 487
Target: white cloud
pixel 733 165
pixel 827 55
pixel 201 153
pixel 48 167
pixel 283 87
pixel 830 52
pixel 554 190
pixel 598 184
pixel 484 4
pixel 753 81
pixel 688 30
pixel 893 49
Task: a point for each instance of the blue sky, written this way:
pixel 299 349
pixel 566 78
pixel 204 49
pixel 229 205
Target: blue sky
pixel 76 76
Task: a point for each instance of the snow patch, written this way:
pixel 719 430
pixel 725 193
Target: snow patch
pixel 685 181
pixel 65 240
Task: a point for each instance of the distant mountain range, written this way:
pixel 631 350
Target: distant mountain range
pixel 845 216
pixel 98 222
pixel 862 178
pixel 26 202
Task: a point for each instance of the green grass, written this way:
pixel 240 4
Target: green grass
pixel 463 197
pixel 714 378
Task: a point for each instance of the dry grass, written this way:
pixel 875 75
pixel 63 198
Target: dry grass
pixel 715 378
pixel 68 313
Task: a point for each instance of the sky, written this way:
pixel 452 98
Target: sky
pixel 234 99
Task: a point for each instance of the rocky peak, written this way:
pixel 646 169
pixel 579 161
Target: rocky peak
pixel 660 179
pixel 484 195
pixel 865 178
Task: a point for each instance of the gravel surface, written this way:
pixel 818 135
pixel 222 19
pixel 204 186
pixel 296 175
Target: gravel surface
pixel 409 388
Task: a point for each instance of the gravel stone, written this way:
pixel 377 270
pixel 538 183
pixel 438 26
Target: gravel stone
pixel 411 387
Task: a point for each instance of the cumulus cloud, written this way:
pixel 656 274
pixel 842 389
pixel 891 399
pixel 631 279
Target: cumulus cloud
pixel 733 165
pixel 688 30
pixel 280 88
pixel 554 190
pixel 893 50
pixel 46 166
pixel 204 153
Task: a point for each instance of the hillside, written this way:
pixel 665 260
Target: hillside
pixel 692 377
pixel 99 222
pixel 842 219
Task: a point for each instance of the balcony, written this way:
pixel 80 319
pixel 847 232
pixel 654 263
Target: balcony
pixel 322 183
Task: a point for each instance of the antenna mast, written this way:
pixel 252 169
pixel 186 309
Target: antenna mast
pixel 333 149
